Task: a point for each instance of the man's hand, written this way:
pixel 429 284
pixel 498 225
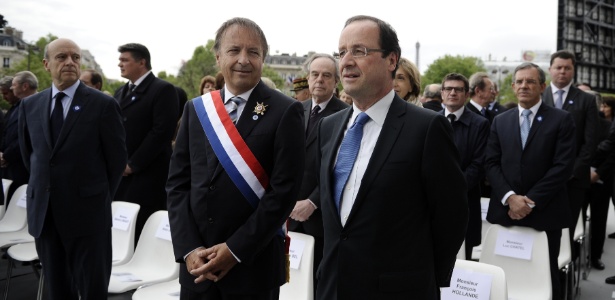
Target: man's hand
pixel 127 171
pixel 220 261
pixel 302 211
pixel 594 177
pixel 519 206
pixel 193 261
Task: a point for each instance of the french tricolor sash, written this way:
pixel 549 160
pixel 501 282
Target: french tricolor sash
pixel 233 153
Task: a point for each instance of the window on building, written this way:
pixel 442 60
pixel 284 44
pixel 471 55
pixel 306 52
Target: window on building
pixel 6 43
pixel 6 62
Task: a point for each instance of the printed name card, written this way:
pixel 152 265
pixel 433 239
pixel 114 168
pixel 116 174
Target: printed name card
pixel 164 230
pixel 123 217
pixel 22 200
pixel 296 252
pixel 514 244
pixel 467 284
pixel 125 277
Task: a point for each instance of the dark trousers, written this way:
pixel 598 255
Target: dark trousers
pixel 554 241
pixel 598 199
pixel 576 198
pixel 213 293
pixel 74 266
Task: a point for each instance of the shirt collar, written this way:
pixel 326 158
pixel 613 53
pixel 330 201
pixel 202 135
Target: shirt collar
pixel 566 89
pixel 245 96
pixel 378 111
pixel 136 83
pixel 70 91
pixel 534 108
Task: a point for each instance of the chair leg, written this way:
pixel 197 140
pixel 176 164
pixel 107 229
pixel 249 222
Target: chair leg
pixel 41 286
pixel 9 271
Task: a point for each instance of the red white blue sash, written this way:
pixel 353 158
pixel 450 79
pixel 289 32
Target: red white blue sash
pixel 230 148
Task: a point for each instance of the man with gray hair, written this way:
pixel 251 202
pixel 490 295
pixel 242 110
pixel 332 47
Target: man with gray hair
pixel 432 97
pixel 23 84
pixel 480 95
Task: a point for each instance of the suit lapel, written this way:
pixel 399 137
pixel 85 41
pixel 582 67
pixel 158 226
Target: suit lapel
pixel 46 116
pixel 547 96
pixel 572 94
pixel 130 97
pixel 536 124
pixel 307 109
pixel 74 112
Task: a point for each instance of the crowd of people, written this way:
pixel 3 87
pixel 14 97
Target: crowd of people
pixel 362 170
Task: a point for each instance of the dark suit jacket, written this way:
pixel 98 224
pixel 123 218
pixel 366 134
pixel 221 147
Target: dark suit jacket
pixel 540 171
pixel 76 179
pixel 150 117
pixel 582 107
pixel 206 208
pixel 309 185
pixel 433 105
pixel 470 134
pixel 497 109
pixel 15 169
pixel 404 230
pixel 488 114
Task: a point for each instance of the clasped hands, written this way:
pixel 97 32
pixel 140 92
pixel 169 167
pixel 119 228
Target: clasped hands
pixel 210 263
pixel 519 206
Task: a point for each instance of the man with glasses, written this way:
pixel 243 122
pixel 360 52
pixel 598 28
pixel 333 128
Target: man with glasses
pixel 470 133
pixel 391 230
pixel 530 157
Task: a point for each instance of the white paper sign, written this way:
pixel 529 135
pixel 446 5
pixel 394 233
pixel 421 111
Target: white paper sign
pixel 467 284
pixel 22 201
pixel 484 207
pixel 296 252
pixel 126 277
pixel 514 244
pixel 122 218
pixel 164 230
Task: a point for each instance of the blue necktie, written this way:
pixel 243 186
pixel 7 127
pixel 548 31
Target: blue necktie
pixel 525 126
pixel 233 106
pixel 559 101
pixel 57 118
pixel 483 112
pixel 347 156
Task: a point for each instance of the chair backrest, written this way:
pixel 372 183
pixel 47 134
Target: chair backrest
pixel 579 230
pixel 461 254
pixel 499 290
pixel 123 241
pixel 152 252
pixel 565 250
pixel 16 215
pixel 526 279
pixel 301 285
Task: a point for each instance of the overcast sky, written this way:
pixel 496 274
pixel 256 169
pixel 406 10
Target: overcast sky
pixel 173 29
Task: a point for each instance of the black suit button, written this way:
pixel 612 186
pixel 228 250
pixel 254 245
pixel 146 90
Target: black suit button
pixel 344 237
pixel 211 188
pixel 210 220
pixel 125 119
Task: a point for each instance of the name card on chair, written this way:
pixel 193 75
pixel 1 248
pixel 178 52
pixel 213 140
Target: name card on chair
pixel 122 218
pixel 514 244
pixel 164 230
pixel 22 201
pixel 296 252
pixel 467 284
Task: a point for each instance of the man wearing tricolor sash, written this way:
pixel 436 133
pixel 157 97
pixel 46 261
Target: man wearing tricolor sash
pixel 234 176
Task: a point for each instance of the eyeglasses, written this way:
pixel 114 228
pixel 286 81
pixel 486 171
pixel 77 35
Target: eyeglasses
pixel 528 81
pixel 356 52
pixel 449 89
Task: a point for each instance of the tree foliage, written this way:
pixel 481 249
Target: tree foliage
pixel 464 65
pixel 203 62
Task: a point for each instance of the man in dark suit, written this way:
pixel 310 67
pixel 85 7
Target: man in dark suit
pixel 306 217
pixel 470 132
pixel 529 178
pixel 391 230
pixel 72 142
pixel 150 112
pixel 480 95
pixel 494 105
pixel 227 225
pixel 582 107
pixel 433 97
pixel 24 84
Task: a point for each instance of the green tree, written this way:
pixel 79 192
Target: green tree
pixel 35 62
pixel 274 76
pixel 464 65
pixel 203 62
pixel 506 92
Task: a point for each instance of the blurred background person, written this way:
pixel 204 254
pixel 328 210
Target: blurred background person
pixel 92 79
pixel 407 82
pixel 301 89
pixel 432 96
pixel 345 97
pixel 208 84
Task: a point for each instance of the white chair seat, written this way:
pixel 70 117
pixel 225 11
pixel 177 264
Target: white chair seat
pixel 23 252
pixel 301 285
pixel 168 290
pixel 15 216
pixel 499 290
pixel 152 262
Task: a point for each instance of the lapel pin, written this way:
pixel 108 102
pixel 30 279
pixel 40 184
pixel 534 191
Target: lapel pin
pixel 539 118
pixel 133 98
pixel 260 109
pixel 254 117
pixel 571 102
pixel 77 108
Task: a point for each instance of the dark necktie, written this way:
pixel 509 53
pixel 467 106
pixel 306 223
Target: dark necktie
pixel 131 87
pixel 347 156
pixel 57 118
pixel 559 102
pixel 232 108
pixel 451 118
pixel 483 112
pixel 313 119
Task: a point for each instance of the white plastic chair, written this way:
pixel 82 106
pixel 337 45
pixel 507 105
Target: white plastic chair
pixel 15 218
pixel 301 285
pixel 582 261
pixel 526 279
pixel 25 252
pixel 152 262
pixel 160 291
pixel 123 241
pixel 6 183
pixel 484 204
pixel 499 289
pixel 564 261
